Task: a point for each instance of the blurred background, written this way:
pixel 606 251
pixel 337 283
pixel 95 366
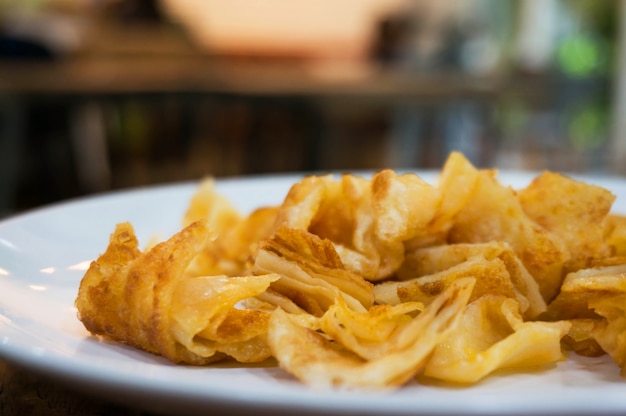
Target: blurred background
pixel 97 95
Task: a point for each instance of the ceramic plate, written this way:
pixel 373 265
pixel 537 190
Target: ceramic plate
pixel 44 253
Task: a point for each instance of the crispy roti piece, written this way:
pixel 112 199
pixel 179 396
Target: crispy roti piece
pixel 494 213
pixel 437 259
pixel 611 332
pixel 573 210
pixel 126 295
pixel 206 204
pixel 615 234
pixel 491 277
pixel 404 205
pixel 144 299
pixel 235 236
pixel 370 334
pixel 456 184
pixel 320 363
pixel 493 335
pixel 312 273
pixel 368 221
pixel 580 337
pixel 205 318
pixel 593 301
pixel 582 286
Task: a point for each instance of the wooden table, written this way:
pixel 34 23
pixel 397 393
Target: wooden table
pixel 25 393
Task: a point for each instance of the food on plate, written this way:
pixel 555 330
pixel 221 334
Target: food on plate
pixel 426 271
pixel 313 358
pixel 572 210
pixel 237 234
pixel 494 335
pixel 615 233
pixel 312 274
pixel 369 282
pixel 144 299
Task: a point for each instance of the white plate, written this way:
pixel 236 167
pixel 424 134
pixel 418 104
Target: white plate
pixel 42 258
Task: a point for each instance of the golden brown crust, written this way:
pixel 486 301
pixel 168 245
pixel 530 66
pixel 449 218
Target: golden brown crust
pixel 125 295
